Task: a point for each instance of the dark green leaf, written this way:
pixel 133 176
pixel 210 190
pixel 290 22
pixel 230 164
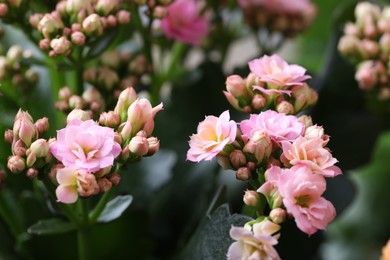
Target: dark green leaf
pixel 115 208
pixel 51 227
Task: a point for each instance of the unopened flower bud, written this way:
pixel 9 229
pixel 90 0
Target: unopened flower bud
pixel 75 6
pixel 78 114
pixel 104 184
pixel 243 174
pixel 39 148
pixel 86 184
pixel 3 9
pixel 370 48
pixel 123 17
pixel 42 125
pixel 251 198
pixel 49 24
pixel 61 45
pixel 259 145
pixel 315 132
pixel 78 38
pixel 24 128
pixel 237 159
pixel 236 86
pixel 115 178
pixel 125 153
pixel 126 98
pixel 14 54
pixel 139 145
pixel 126 130
pixel 92 25
pixel 285 107
pixel 108 78
pixel 32 173
pixel 258 102
pixel 278 215
pixel 106 6
pixel 110 119
pixel 140 112
pixel 76 102
pixel 159 12
pixel 31 159
pixel 154 145
pixel 16 164
pixel 9 136
pixel 350 45
pixel 366 75
pixel 19 148
pixel 102 172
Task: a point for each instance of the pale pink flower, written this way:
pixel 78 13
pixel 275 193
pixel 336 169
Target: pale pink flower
pixel 258 244
pixel 85 146
pixel 310 153
pixel 213 134
pixel 184 23
pixel 270 188
pixel 73 182
pixel 276 71
pixel 301 191
pixel 278 126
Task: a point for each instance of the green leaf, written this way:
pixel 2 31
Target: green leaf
pixel 51 227
pixel 115 208
pixel 212 240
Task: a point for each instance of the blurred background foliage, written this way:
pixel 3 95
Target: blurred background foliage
pixel 175 201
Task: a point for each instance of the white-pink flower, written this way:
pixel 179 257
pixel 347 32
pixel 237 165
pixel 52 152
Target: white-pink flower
pixel 276 71
pixel 278 126
pixel 213 134
pixel 85 146
pixel 72 183
pixel 312 154
pixel 301 191
pixel 184 23
pixel 257 243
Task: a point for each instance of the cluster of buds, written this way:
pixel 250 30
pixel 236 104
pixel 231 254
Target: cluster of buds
pixel 77 23
pixel 284 156
pixel 271 84
pixel 30 152
pixel 15 73
pixel 90 101
pixel 366 43
pixel 117 70
pixel 134 118
pixel 282 16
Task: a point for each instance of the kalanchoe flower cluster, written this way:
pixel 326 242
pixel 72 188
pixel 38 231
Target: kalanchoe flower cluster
pixel 271 84
pixel 284 16
pixel 77 23
pixel 288 158
pixel 366 43
pixel 117 70
pixel 15 73
pixel 30 152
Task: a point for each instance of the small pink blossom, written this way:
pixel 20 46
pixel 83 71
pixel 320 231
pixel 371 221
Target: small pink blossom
pixel 85 146
pixel 74 182
pixel 279 127
pixel 213 134
pixel 270 188
pixel 310 153
pixel 184 23
pixel 301 191
pixel 256 244
pixel 276 71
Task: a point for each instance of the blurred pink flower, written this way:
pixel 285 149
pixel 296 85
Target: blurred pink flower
pixel 85 146
pixel 184 23
pixel 258 244
pixel 301 191
pixel 311 153
pixel 74 182
pixel 213 134
pixel 273 69
pixel 287 6
pixel 279 127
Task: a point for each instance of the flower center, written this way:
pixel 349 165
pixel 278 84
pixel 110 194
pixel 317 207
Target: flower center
pixel 303 201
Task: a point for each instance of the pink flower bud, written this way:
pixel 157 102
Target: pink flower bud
pixel 243 174
pixel 371 48
pixel 236 86
pixel 3 9
pixel 24 128
pixel 92 25
pixel 315 132
pixel 285 107
pixel 9 136
pixel 259 145
pixel 75 6
pixel 232 101
pixel 76 102
pixel 42 125
pixel 125 154
pixel 110 119
pixel 19 148
pixel 49 24
pixel 32 173
pixel 126 130
pixel 78 114
pixel 351 29
pixel 104 185
pixel 34 19
pixel 139 145
pixel 366 75
pixel 258 102
pixel 350 45
pixel 141 111
pixel 14 54
pixel 154 145
pixel 108 78
pixel 16 164
pixel 39 148
pixel 278 215
pixel 126 98
pixel 159 12
pixel 115 178
pixel 237 159
pixel 251 198
pixel 106 6
pixel 61 45
pixel 123 17
pixel 64 93
pixel 102 172
pixel 31 159
pixel 86 184
pixel 78 38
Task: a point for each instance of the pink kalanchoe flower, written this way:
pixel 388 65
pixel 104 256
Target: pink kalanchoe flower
pixel 312 154
pixel 184 23
pixel 213 134
pixel 258 244
pixel 74 182
pixel 85 146
pixel 301 191
pixel 279 127
pixel 276 71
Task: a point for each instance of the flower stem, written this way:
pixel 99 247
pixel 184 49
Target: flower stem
pixel 100 206
pixel 83 233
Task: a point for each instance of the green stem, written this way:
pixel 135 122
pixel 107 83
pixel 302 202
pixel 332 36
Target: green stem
pixel 79 72
pixel 83 233
pixel 100 206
